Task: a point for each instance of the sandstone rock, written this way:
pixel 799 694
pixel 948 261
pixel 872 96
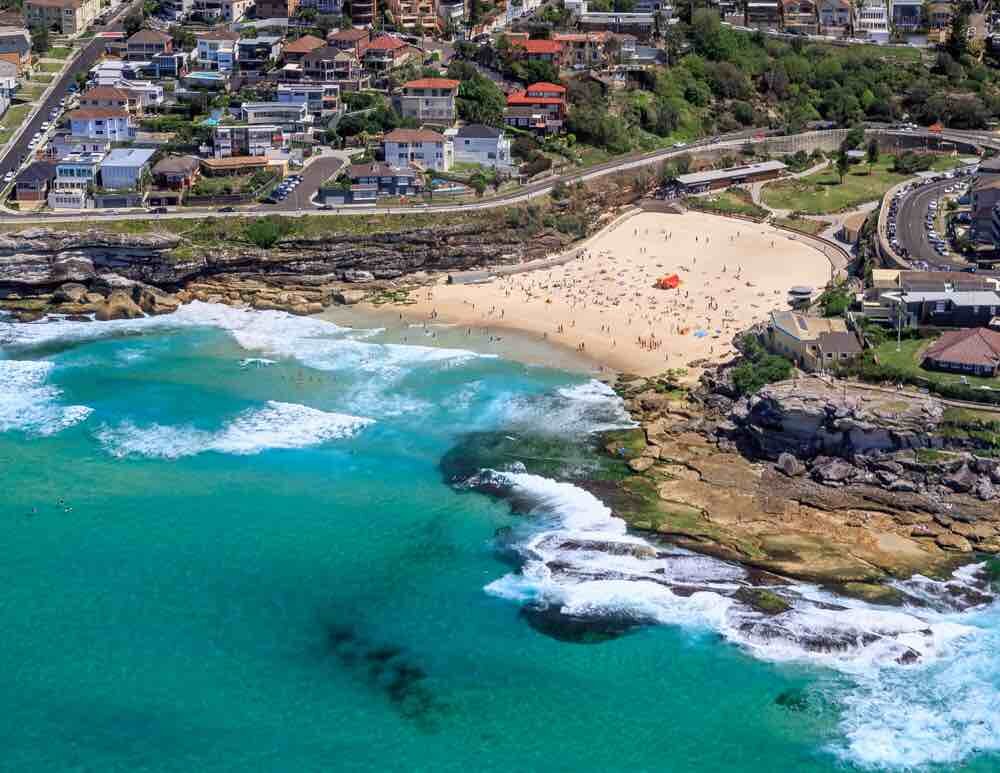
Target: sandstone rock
pixel 832 471
pixel 956 542
pixel 964 480
pixel 71 292
pixel 153 300
pixel 349 297
pixel 984 489
pixel 641 464
pixel 358 275
pixel 977 532
pixel 789 465
pixel 119 305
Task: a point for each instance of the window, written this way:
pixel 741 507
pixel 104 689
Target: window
pixel 939 307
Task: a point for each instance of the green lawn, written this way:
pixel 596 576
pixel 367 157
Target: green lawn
pixel 11 120
pixel 30 93
pixel 801 224
pixel 58 52
pixel 728 202
pixel 40 77
pixel 908 359
pixel 823 193
pixel 49 66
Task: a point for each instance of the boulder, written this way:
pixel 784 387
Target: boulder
pixel 154 301
pixel 71 292
pixel 963 480
pixel 358 275
pixel 984 489
pixel 641 464
pixel 349 297
pixel 829 471
pixel 977 532
pixel 119 305
pixel 789 465
pixel 956 542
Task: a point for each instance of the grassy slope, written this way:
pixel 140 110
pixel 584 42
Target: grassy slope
pixel 908 359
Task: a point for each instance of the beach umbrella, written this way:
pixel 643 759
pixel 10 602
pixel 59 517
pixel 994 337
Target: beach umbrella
pixel 669 282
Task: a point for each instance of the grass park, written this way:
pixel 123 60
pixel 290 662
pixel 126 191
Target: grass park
pixel 12 120
pixel 908 360
pixel 732 201
pixel 823 192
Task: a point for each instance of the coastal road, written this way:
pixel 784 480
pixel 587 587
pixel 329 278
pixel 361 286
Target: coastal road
pixel 17 151
pixel 912 233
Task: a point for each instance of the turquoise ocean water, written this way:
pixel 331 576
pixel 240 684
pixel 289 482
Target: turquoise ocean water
pixel 228 545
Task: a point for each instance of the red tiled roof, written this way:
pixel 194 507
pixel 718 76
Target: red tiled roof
pixel 413 135
pixel 149 36
pixel 90 113
pixel 432 83
pixel 543 86
pixel 386 43
pixel 304 45
pixel 349 36
pixel 105 92
pixel 538 46
pixel 974 346
pixel 520 98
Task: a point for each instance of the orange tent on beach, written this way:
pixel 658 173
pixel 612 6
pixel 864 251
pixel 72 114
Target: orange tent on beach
pixel 669 282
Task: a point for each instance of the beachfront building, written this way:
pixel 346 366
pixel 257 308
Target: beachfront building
pixel 540 108
pixel 871 21
pixel 123 168
pixel 76 176
pixel 714 179
pixel 365 183
pixel 15 47
pixel 799 17
pixel 834 17
pixel 428 100
pixel 217 51
pixel 812 343
pixel 31 186
pixel 483 145
pixel 173 177
pixel 421 147
pixel 68 17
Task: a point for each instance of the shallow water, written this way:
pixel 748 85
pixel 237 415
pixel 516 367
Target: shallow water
pixel 229 546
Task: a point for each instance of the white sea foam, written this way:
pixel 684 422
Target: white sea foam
pixel 30 404
pixel 591 406
pixel 923 682
pixel 275 426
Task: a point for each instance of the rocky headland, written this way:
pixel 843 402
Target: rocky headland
pixel 813 479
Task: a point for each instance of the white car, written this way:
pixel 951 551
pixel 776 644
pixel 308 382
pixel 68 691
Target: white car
pixel 46 126
pixel 8 177
pixel 680 144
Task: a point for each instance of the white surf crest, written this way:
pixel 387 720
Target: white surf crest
pixel 28 403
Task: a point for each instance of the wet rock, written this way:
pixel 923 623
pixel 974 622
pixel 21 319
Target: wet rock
pixel 908 657
pixel 119 305
pixel 764 601
pixel 71 292
pixel 789 465
pixel 578 629
pixel 956 542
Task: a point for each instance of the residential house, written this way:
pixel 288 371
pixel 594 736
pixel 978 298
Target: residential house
pixel 318 98
pixel 799 17
pixel 385 53
pixel 205 79
pixel 255 54
pixel 246 140
pixel 76 176
pixel 583 50
pixel 975 351
pixel 939 15
pixel 642 25
pixel 331 65
pixel 15 47
pixel 176 172
pixel 763 14
pixel 540 108
pixel 176 10
pixel 8 84
pixel 451 12
pixel 881 302
pixel 371 180
pixel 484 145
pixel 325 7
pixel 105 96
pixel 871 21
pixel 145 44
pixel 172 65
pixel 31 186
pixel 984 195
pixel 222 10
pixel 123 168
pixel 296 49
pixel 418 17
pixel 428 100
pixel 425 148
pixel 217 51
pixel 294 116
pixel 834 17
pixel 908 15
pixel 549 51
pixel 353 40
pixel 65 144
pixel 236 165
pixel 276 9
pixel 952 307
pixel 142 95
pixel 113 123
pixel 364 13
pixel 813 343
pixel 68 17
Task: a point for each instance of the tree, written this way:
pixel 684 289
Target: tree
pixel 184 38
pixel 843 164
pixel 133 21
pixel 265 231
pixel 40 39
pixel 480 100
pixel 872 154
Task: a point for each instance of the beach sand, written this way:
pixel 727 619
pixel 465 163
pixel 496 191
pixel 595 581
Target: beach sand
pixel 604 306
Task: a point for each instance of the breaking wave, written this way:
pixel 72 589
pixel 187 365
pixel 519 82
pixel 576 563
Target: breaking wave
pixel 30 404
pixel 275 426
pixel 923 682
pixel 585 408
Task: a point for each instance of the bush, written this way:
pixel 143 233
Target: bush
pixel 758 367
pixel 835 302
pixel 537 166
pixel 266 231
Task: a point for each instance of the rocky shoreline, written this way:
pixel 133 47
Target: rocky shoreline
pixel 810 479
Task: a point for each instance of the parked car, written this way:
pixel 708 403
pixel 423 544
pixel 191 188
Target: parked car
pixel 226 209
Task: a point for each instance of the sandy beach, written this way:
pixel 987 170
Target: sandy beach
pixel 605 305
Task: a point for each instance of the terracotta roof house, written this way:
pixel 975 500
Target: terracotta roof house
pixel 539 50
pixel 973 350
pixel 145 44
pixel 425 148
pixel 294 51
pixel 540 108
pixel 428 99
pixel 386 52
pixel 350 40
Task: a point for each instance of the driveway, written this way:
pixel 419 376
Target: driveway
pixel 314 175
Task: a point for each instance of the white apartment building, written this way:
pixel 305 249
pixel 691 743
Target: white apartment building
pixel 421 147
pixel 317 97
pixel 479 144
pixel 871 20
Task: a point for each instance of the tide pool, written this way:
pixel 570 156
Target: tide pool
pixel 229 545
